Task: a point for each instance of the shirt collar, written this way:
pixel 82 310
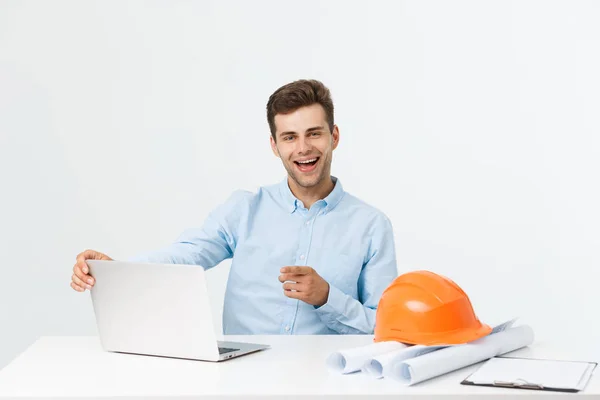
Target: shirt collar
pixel 332 200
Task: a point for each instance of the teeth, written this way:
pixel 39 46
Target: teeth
pixel 307 161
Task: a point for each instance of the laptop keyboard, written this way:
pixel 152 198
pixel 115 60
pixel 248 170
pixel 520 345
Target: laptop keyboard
pixel 223 350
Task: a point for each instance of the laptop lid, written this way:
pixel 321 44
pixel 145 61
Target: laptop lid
pixel 153 309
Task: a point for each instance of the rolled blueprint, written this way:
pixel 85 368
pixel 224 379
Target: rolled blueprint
pixel 418 369
pixel 378 366
pixel 351 360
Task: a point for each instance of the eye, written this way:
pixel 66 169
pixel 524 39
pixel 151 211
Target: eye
pixel 287 138
pixel 316 134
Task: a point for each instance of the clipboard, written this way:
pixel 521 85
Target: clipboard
pixel 533 374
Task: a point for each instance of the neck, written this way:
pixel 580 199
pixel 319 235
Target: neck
pixel 309 196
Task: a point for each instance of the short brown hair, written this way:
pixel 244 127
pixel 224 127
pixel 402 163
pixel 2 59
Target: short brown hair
pixel 300 93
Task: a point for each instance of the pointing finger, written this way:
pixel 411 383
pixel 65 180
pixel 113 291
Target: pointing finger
pixel 297 270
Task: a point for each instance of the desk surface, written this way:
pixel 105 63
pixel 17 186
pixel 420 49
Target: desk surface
pixel 294 367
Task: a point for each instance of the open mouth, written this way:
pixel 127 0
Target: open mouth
pixel 307 165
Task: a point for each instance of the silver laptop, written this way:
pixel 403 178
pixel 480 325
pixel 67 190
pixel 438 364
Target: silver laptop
pixel 158 310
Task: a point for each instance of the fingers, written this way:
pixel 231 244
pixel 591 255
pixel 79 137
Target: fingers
pixel 77 288
pixel 80 283
pixel 296 295
pixel 297 281
pixel 86 255
pixel 298 287
pixel 297 270
pixel 81 279
pixel 308 279
pixel 92 255
pixel 82 266
pixel 289 277
pixel 79 272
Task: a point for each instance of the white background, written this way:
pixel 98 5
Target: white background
pixel 474 125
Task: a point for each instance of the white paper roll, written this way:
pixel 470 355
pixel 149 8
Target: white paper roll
pixel 418 369
pixel 352 360
pixel 377 366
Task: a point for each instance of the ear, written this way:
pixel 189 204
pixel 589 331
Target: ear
pixel 335 136
pixel 274 146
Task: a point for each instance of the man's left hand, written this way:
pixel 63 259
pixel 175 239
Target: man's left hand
pixel 308 285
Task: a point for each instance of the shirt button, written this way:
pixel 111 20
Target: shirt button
pixel 287 328
pixel 307 222
pixel 302 257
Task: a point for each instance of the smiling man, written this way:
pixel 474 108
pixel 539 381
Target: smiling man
pixel 307 257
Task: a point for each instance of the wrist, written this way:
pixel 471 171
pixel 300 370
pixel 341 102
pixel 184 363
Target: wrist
pixel 325 297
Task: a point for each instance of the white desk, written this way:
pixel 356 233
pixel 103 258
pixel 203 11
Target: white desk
pixel 77 367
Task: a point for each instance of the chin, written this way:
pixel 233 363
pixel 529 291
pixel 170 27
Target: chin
pixel 308 182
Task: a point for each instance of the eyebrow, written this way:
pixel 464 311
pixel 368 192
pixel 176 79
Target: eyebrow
pixel 314 128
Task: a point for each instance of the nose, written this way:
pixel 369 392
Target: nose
pixel 303 147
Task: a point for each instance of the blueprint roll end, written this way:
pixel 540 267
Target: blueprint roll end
pixel 373 368
pixel 402 373
pixel 336 363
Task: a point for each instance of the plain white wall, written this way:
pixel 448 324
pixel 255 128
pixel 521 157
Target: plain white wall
pixel 474 125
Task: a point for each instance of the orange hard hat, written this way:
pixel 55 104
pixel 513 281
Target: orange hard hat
pixel 422 307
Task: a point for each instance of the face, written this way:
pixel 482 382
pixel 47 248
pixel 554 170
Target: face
pixel 305 145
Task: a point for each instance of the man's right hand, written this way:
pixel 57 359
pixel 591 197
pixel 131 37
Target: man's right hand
pixel 81 279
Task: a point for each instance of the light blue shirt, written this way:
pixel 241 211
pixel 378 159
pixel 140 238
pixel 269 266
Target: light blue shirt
pixel 348 242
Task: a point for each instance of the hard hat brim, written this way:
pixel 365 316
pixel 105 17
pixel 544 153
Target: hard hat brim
pixel 452 338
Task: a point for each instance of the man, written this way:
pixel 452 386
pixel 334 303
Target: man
pixel 308 258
